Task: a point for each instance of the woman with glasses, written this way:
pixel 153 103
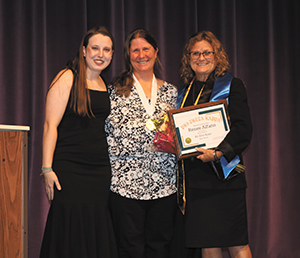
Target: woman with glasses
pixel 215 213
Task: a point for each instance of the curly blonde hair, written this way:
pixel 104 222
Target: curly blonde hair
pixel 187 74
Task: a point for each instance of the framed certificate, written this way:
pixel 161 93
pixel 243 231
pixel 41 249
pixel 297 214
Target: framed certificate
pixel 204 125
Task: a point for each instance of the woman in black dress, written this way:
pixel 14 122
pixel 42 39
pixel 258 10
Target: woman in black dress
pixel 75 165
pixel 215 214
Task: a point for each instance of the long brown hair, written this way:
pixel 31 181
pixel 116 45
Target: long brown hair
pixel 79 96
pixel 187 74
pixel 124 82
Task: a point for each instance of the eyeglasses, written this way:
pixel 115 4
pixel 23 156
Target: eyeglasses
pixel 206 54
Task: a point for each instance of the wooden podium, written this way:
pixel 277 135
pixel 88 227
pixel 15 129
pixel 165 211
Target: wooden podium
pixel 13 191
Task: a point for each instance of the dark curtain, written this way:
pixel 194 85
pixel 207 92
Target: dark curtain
pixel 261 37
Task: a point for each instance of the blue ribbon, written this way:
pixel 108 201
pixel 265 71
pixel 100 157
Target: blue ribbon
pixel 180 97
pixel 221 88
pixel 228 167
pixel 220 91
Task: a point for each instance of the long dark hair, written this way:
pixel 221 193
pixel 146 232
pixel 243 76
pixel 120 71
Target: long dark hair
pixel 124 82
pixel 79 95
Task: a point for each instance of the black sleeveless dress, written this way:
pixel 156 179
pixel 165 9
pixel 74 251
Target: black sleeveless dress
pixel 79 223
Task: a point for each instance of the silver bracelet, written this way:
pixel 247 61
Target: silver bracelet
pixel 216 159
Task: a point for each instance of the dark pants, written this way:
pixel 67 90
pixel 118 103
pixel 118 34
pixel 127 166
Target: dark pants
pixel 143 229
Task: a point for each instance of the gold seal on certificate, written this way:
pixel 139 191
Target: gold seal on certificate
pixel 150 125
pixel 204 125
pixel 188 140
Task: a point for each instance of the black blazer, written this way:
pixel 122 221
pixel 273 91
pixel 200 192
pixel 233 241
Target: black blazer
pixel 200 174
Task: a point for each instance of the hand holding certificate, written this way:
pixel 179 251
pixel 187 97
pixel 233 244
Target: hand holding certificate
pixel 204 125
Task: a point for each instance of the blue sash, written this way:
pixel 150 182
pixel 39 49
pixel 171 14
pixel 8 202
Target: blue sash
pixel 220 91
pixel 180 97
pixel 221 88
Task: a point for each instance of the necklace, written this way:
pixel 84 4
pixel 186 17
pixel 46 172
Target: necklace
pixel 94 86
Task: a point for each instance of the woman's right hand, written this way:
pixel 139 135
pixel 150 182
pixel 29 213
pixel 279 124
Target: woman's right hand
pixel 51 179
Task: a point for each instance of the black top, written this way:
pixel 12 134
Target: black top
pixel 83 139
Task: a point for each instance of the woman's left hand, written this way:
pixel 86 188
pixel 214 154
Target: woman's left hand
pixel 207 155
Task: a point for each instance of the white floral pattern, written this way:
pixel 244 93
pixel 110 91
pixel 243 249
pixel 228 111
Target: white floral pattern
pixel 138 172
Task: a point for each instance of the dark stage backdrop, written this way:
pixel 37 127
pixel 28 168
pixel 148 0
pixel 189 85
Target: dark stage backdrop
pixel 261 37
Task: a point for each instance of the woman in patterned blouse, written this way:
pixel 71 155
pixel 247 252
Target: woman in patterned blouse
pixel 143 191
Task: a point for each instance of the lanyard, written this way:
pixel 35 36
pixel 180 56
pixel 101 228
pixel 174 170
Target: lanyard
pixel 181 193
pixel 187 93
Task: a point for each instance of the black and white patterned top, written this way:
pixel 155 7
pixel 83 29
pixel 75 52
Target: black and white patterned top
pixel 138 172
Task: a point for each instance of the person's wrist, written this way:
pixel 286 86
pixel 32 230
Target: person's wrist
pixel 46 170
pixel 216 158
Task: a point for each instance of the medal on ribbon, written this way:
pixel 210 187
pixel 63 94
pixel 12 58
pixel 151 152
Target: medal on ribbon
pixel 148 105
